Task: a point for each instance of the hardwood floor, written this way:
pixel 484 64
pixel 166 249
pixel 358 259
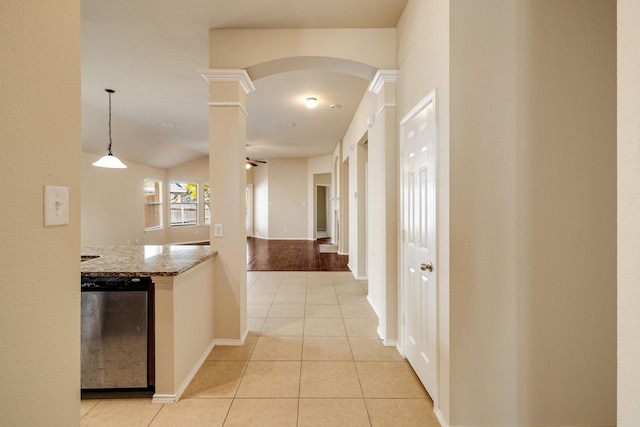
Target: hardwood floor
pixel 292 255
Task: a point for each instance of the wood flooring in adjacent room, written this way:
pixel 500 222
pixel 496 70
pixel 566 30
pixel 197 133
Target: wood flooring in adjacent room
pixel 292 255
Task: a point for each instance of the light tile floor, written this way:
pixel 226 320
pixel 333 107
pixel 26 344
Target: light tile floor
pixel 311 359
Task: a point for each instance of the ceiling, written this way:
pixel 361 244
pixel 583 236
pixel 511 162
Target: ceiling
pixel 150 52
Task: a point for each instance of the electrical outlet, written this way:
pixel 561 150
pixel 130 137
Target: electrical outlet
pixel 217 230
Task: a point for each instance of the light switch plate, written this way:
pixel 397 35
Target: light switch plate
pixel 56 205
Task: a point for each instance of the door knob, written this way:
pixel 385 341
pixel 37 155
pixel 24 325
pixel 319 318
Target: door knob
pixel 427 266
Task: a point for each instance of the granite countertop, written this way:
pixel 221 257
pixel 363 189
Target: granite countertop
pixel 148 260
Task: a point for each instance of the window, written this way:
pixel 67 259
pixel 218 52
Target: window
pixel 152 204
pixel 183 203
pixel 206 197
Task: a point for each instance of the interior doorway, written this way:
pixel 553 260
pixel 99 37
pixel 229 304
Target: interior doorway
pixel 322 215
pixel 323 211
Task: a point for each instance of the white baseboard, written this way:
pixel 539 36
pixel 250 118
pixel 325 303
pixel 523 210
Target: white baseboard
pixel 354 274
pixel 381 336
pixel 386 342
pixel 192 242
pixel 162 399
pixel 173 398
pixel 232 343
pixel 440 417
pixel 282 238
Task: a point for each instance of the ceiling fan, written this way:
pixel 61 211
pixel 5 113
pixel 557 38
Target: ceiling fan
pixel 249 163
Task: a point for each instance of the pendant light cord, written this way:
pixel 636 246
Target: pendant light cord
pixel 109 91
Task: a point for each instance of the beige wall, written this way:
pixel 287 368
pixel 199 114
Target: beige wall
pixel 196 171
pixel 184 328
pixel 246 48
pixel 525 318
pixel 532 148
pixel 40 145
pixel 628 213
pixel 228 178
pixel 261 202
pixel 483 237
pixel 288 199
pixel 321 203
pixel 567 211
pixel 284 197
pixel 317 170
pixel 44 352
pixel 113 204
pixel 423 65
pixel 354 209
pixel 382 208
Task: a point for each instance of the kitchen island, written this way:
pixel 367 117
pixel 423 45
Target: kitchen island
pixel 184 304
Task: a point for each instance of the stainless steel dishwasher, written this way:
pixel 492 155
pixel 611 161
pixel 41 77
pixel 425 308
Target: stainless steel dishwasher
pixel 117 334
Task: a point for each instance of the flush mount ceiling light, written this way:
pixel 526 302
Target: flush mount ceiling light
pixel 311 102
pixel 109 160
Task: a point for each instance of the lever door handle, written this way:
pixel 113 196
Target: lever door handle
pixel 425 267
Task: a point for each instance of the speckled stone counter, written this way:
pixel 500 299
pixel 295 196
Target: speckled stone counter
pixel 148 260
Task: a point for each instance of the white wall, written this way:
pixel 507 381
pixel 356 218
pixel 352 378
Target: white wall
pixel 40 145
pixel 628 388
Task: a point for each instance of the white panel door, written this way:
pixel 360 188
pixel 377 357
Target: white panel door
pixel 418 263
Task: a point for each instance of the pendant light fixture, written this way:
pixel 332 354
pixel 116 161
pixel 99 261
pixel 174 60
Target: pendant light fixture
pixel 109 160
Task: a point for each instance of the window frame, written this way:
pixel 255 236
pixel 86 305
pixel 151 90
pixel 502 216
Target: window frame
pixel 194 203
pixel 206 204
pixel 159 204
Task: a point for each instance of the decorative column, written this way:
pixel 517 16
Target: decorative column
pixel 382 205
pixel 227 176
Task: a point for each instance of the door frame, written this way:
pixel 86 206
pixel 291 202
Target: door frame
pixel 403 289
pixel 249 210
pixel 328 211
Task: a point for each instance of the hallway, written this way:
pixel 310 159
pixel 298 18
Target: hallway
pixel 311 359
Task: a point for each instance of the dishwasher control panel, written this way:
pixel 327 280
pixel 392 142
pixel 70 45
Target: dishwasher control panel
pixel 115 283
